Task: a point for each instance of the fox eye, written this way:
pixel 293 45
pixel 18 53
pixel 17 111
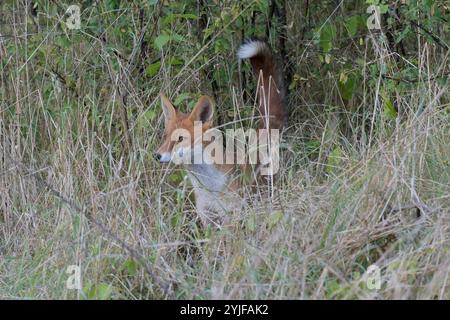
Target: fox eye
pixel 180 138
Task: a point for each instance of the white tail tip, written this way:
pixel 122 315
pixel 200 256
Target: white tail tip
pixel 251 49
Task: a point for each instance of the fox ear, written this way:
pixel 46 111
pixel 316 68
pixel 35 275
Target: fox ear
pixel 203 110
pixel 168 108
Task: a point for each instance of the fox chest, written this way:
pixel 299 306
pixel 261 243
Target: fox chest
pixel 207 178
pixel 212 191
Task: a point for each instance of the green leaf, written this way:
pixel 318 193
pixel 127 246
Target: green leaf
pixel 131 266
pixel 351 24
pixel 274 218
pixel 388 107
pixel 389 110
pixel 104 291
pixel 181 97
pixel 175 61
pixel 403 34
pixel 176 177
pixel 113 4
pixel 161 40
pixel 88 291
pixel 327 35
pixel 63 41
pixel 221 45
pixel 263 5
pixel 177 37
pixel 347 84
pixel 207 32
pixel 153 69
pixel 333 161
pixel 383 8
pixel 145 118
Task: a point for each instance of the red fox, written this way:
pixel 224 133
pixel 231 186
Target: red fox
pixel 217 185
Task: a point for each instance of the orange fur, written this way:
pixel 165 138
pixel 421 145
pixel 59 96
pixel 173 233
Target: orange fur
pixel 217 186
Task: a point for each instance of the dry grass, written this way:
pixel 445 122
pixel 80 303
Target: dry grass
pixel 383 200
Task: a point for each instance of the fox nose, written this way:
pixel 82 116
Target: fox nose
pixel 157 156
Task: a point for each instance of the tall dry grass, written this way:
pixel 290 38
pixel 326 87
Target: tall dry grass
pixel 77 189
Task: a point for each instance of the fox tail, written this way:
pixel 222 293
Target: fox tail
pixel 270 91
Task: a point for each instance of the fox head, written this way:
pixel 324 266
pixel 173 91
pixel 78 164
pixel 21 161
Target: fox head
pixel 179 138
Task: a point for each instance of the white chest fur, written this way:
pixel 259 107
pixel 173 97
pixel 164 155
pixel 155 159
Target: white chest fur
pixel 213 198
pixel 207 177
